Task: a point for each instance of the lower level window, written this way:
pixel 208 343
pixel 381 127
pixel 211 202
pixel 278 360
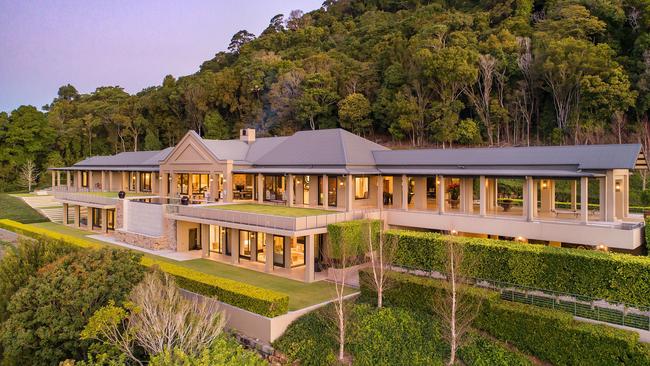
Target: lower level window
pixel 97 217
pixel 110 219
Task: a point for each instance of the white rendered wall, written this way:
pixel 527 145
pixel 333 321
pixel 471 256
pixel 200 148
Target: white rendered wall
pixel 144 218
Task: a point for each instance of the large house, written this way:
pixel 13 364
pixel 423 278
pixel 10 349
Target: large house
pixel 265 203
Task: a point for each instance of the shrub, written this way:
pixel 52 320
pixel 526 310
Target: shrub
pixel 22 262
pixel 550 335
pixel 309 340
pixel 480 351
pixel 388 336
pixel 352 233
pixel 224 351
pixel 610 276
pixel 255 299
pixel 48 314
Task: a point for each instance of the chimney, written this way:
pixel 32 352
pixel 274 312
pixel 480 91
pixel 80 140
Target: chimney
pixel 247 135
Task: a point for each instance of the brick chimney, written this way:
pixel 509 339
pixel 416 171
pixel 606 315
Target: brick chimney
pixel 247 135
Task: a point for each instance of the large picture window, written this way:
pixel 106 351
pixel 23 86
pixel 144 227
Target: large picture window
pixel 145 182
pixel 133 176
pixel 96 218
pixel 278 250
pixel 246 240
pixel 361 188
pixel 183 183
pixel 200 184
pixel 274 188
pixel 110 219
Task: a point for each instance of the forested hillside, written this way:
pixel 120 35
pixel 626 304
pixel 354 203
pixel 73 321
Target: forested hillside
pixel 403 72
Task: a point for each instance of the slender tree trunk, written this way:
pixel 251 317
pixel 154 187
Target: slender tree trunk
pixel 454 340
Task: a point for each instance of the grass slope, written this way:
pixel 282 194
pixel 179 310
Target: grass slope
pixel 14 208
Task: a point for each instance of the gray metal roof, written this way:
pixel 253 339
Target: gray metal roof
pixel 125 160
pixel 582 157
pixel 241 151
pixel 333 147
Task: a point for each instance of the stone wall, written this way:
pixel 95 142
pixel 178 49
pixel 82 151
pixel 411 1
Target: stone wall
pixel 142 241
pixel 169 232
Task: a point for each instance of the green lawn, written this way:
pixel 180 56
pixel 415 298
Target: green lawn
pixel 300 294
pixel 16 209
pixel 271 210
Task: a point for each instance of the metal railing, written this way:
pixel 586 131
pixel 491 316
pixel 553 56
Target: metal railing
pixel 86 198
pixel 618 313
pixel 266 220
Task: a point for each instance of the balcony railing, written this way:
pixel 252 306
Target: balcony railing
pixel 87 197
pixel 266 220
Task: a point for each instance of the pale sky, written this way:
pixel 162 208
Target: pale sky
pixel 133 44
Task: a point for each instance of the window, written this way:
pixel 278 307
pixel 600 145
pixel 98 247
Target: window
pixel 96 218
pixel 84 179
pixel 110 219
pixel 200 184
pixel 274 188
pixel 169 183
pixel 332 188
pixel 244 186
pixel 278 250
pixel 217 239
pixel 183 183
pixel 298 251
pixel 145 182
pixel 246 239
pixel 133 176
pixel 261 247
pixel 361 188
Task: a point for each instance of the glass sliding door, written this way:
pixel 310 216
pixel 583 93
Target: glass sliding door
pixel 261 247
pixel 217 239
pixel 278 250
pixel 298 251
pixel 183 183
pixel 332 188
pixel 145 182
pixel 110 219
pixel 274 188
pixel 246 240
pixel 96 218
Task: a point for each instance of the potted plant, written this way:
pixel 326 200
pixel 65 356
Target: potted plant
pixel 454 194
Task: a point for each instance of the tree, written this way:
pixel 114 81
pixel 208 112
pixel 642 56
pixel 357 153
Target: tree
pixel 239 39
pixel 480 95
pixel 223 351
pixel 29 174
pixel 157 318
pixel 152 141
pixel 216 127
pixel 353 113
pixel 456 308
pixel 382 250
pixel 46 316
pixel 21 262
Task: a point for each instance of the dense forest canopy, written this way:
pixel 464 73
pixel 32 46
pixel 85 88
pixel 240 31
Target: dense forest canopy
pixel 404 72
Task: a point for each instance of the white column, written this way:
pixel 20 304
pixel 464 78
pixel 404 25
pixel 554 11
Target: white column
pixel 90 181
pixel 626 194
pixel 584 199
pixel 260 188
pixel 441 194
pixel 287 251
pixel 110 181
pixel 104 220
pixel 67 179
pixel 65 214
pixel 574 195
pixel 349 192
pixel 53 179
pixel 380 192
pixel 58 178
pixel 137 182
pixel 309 258
pixel 290 192
pixel 405 192
pixel 529 196
pixel 103 183
pixel 268 249
pixel 76 212
pixel 420 193
pixel 611 196
pixel 325 191
pixel 482 196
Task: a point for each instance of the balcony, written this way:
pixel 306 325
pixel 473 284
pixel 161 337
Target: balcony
pixel 288 219
pixel 619 235
pixel 92 199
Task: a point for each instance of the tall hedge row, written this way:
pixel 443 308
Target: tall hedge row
pixel 610 276
pixel 353 234
pixel 550 335
pixel 252 298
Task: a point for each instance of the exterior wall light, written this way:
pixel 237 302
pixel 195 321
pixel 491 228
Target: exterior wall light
pixel 544 184
pixel 618 186
pixel 602 248
pixel 520 239
pixel 453 232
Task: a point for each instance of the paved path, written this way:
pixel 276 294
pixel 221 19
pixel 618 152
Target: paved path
pixel 9 236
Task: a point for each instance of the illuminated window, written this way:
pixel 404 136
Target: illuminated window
pixel 145 182
pixel 183 183
pixel 199 184
pixel 133 176
pixel 84 179
pixel 110 219
pixel 361 188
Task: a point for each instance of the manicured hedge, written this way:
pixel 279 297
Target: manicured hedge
pixel 353 233
pixel 610 276
pixel 254 299
pixel 550 335
pixel 480 351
